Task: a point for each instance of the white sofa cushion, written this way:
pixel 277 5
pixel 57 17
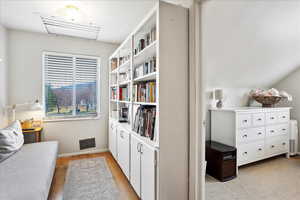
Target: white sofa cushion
pixel 11 140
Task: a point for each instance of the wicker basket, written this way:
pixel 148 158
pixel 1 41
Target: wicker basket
pixel 267 101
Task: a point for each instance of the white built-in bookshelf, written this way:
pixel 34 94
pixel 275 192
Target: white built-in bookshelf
pixel 148 104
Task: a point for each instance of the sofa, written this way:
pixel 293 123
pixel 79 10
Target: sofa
pixel 28 173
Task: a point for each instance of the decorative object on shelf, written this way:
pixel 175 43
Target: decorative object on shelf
pixel 268 98
pixel 219 97
pixel 124 114
pixel 114 64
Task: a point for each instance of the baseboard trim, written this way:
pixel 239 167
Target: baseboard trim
pixel 83 152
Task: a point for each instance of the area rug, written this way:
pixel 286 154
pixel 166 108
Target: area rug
pixel 90 179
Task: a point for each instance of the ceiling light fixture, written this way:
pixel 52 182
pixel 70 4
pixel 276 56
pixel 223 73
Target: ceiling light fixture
pixel 71 13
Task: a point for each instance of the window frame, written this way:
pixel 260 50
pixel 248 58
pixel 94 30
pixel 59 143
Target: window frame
pixel 98 88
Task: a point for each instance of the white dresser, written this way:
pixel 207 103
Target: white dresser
pixel 257 133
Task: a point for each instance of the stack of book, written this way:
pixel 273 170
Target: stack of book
pixel 145 92
pixel 146 68
pixel 144 122
pixel 123 94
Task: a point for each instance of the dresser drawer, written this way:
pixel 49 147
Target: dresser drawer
pixel 258 119
pixel 251 134
pixel 250 152
pixel 283 117
pixel 277 145
pixel 271 118
pixel 277 130
pixel 244 120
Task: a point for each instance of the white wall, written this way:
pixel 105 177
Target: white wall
pixel 248 44
pixel 3 75
pixel 291 85
pixel 25 83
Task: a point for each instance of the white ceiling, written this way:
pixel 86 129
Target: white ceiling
pixel 117 18
pixel 250 44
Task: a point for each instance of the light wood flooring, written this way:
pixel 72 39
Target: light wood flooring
pixel 56 191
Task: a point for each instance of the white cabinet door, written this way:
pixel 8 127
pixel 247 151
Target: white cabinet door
pixel 135 165
pixel 123 150
pixel 113 139
pixel 148 173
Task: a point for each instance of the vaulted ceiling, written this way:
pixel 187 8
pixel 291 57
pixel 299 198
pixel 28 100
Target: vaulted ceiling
pixel 249 43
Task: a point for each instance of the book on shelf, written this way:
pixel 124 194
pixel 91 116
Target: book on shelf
pixel 144 122
pixel 123 94
pixel 113 93
pixel 146 68
pixel 145 92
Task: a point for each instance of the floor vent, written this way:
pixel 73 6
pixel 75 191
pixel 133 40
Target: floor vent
pixel 54 25
pixel 87 143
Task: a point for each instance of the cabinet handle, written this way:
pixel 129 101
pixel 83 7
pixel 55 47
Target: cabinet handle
pixel 244 136
pixel 141 148
pixel 245 153
pixel 259 119
pixel 259 133
pixel 283 143
pixel 284 129
pixel 245 121
pixel 283 117
pixel 272 131
pixel 259 149
pixel 272 146
pixel 272 118
pixel 138 147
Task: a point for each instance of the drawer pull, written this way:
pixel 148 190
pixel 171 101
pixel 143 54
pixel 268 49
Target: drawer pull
pixel 283 143
pixel 259 133
pixel 272 146
pixel 245 121
pixel 272 118
pixel 283 117
pixel 284 129
pixel 245 153
pixel 259 119
pixel 272 131
pixel 260 149
pixel 244 136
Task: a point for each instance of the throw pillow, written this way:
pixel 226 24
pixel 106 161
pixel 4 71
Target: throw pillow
pixel 11 140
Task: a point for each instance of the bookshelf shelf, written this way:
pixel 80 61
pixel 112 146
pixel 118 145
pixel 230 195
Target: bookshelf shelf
pixel 125 83
pixel 124 66
pixel 147 77
pixel 114 71
pixel 145 103
pixel 146 53
pixel 125 102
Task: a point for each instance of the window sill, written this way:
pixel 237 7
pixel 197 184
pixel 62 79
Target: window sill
pixel 72 119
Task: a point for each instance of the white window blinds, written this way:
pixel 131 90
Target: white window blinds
pixel 70 85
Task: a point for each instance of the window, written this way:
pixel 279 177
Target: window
pixel 71 85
